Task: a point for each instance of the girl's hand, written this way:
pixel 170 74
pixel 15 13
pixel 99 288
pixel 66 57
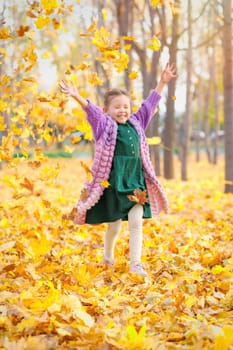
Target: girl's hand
pixel 168 73
pixel 69 90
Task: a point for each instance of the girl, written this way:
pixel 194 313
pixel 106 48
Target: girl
pixel 122 158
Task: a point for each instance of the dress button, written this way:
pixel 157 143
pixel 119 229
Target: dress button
pixel 131 145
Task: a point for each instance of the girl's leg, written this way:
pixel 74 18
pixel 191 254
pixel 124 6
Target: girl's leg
pixel 135 240
pixel 110 240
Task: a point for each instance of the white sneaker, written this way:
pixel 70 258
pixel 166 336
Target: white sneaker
pixel 137 268
pixel 108 262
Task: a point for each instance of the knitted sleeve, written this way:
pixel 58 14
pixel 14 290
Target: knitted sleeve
pixel 96 118
pixel 147 109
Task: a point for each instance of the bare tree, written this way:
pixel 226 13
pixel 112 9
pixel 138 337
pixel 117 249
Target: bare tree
pixel 186 123
pixel 228 93
pixel 169 130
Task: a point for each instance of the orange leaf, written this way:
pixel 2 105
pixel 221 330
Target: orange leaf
pixel 172 247
pixel 87 170
pixel 22 30
pixel 27 184
pixel 139 196
pixel 44 99
pixel 71 215
pixel 105 183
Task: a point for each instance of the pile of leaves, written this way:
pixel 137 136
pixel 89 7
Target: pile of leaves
pixel 55 293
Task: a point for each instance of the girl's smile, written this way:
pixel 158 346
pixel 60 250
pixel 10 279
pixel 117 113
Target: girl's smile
pixel 119 109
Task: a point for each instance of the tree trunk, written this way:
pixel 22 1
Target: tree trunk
pixel 188 108
pixel 200 97
pixel 228 95
pixel 125 22
pixel 206 123
pixel 216 107
pixel 169 130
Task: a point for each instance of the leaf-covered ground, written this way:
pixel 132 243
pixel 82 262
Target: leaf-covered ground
pixel 55 294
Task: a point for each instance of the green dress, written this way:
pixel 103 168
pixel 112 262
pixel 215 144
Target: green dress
pixel 126 175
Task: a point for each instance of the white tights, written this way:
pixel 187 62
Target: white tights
pixel 135 240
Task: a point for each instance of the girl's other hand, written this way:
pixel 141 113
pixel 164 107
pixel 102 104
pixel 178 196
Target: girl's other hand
pixel 168 73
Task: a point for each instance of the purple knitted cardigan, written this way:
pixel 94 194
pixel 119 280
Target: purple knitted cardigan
pixel 105 132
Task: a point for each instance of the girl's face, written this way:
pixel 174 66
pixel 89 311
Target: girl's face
pixel 119 109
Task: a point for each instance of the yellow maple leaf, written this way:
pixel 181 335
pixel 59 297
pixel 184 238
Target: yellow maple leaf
pixel 155 3
pixel 121 61
pixel 4 33
pixel 129 38
pixel 49 6
pixel 104 14
pixel 83 65
pixel 156 140
pixel 85 128
pixel 46 54
pixel 30 55
pixel 42 21
pixel 105 183
pixel 94 79
pixel 154 44
pixel 133 75
pixel 101 38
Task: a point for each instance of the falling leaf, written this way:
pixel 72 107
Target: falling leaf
pixel 133 75
pixel 155 3
pixel 43 99
pixel 104 14
pixel 46 54
pixel 49 6
pixel 154 44
pixel 75 139
pixel 93 79
pixel 92 27
pixel 155 140
pixel 83 65
pixel 129 38
pixel 22 30
pixel 5 34
pixel 105 183
pixel 42 21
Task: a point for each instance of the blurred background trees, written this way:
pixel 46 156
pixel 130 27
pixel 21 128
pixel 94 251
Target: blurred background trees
pixel 101 44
